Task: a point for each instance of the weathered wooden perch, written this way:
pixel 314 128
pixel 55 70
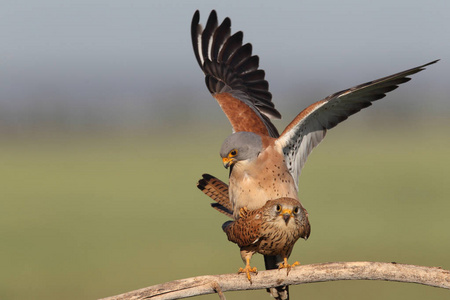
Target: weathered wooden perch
pixel 201 285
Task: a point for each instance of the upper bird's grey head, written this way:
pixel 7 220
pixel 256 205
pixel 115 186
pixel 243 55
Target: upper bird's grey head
pixel 240 146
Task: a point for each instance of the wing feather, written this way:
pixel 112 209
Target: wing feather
pixel 207 33
pixel 253 76
pixel 231 71
pixel 251 64
pixel 240 55
pixel 231 45
pixel 221 34
pixel 309 128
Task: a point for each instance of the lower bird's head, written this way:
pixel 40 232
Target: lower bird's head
pixel 288 213
pixel 240 146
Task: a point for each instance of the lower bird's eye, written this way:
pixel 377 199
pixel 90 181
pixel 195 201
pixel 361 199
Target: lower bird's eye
pixel 278 208
pixel 296 210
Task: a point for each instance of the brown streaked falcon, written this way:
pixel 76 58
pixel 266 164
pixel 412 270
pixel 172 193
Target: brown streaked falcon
pixel 263 164
pixel 270 230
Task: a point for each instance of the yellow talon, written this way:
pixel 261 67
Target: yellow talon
pixel 243 211
pixel 248 270
pixel 285 265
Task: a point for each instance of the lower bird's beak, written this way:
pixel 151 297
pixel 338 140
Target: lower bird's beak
pixel 287 214
pixel 228 162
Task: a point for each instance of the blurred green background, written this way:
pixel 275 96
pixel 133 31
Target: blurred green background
pixel 85 217
pixel 106 126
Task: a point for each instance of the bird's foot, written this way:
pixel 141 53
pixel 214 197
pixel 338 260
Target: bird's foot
pixel 243 211
pixel 288 267
pixel 247 270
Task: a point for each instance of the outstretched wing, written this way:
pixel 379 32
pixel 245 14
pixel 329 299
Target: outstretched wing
pixel 308 129
pixel 233 77
pixel 218 191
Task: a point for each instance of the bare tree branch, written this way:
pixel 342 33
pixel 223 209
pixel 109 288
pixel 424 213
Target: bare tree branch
pixel 201 285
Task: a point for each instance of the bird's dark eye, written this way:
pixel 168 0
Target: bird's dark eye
pixel 278 207
pixel 233 152
pixel 296 210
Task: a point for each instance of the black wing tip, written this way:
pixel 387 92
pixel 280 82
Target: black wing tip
pixel 422 67
pixel 430 63
pixel 196 17
pixel 213 14
pixel 419 68
pixel 307 232
pixel 226 22
pixel 197 13
pixel 212 18
pixel 239 35
pixel 195 22
pixel 226 225
pixel 227 63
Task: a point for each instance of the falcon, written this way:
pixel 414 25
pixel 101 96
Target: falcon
pixel 264 164
pixel 270 230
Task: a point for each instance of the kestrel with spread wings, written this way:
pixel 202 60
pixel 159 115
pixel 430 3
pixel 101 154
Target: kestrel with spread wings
pixel 263 164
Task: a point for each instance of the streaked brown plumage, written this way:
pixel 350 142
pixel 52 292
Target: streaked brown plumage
pixel 268 230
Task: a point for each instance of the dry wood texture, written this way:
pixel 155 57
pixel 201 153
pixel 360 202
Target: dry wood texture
pixel 201 285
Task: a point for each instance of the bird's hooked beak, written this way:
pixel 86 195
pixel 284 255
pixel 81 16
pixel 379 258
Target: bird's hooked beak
pixel 287 215
pixel 228 161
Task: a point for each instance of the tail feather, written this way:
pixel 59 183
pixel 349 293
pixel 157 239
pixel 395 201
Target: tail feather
pixel 279 292
pixel 218 191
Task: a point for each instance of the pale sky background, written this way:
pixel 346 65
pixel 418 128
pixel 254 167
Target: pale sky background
pixel 116 61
